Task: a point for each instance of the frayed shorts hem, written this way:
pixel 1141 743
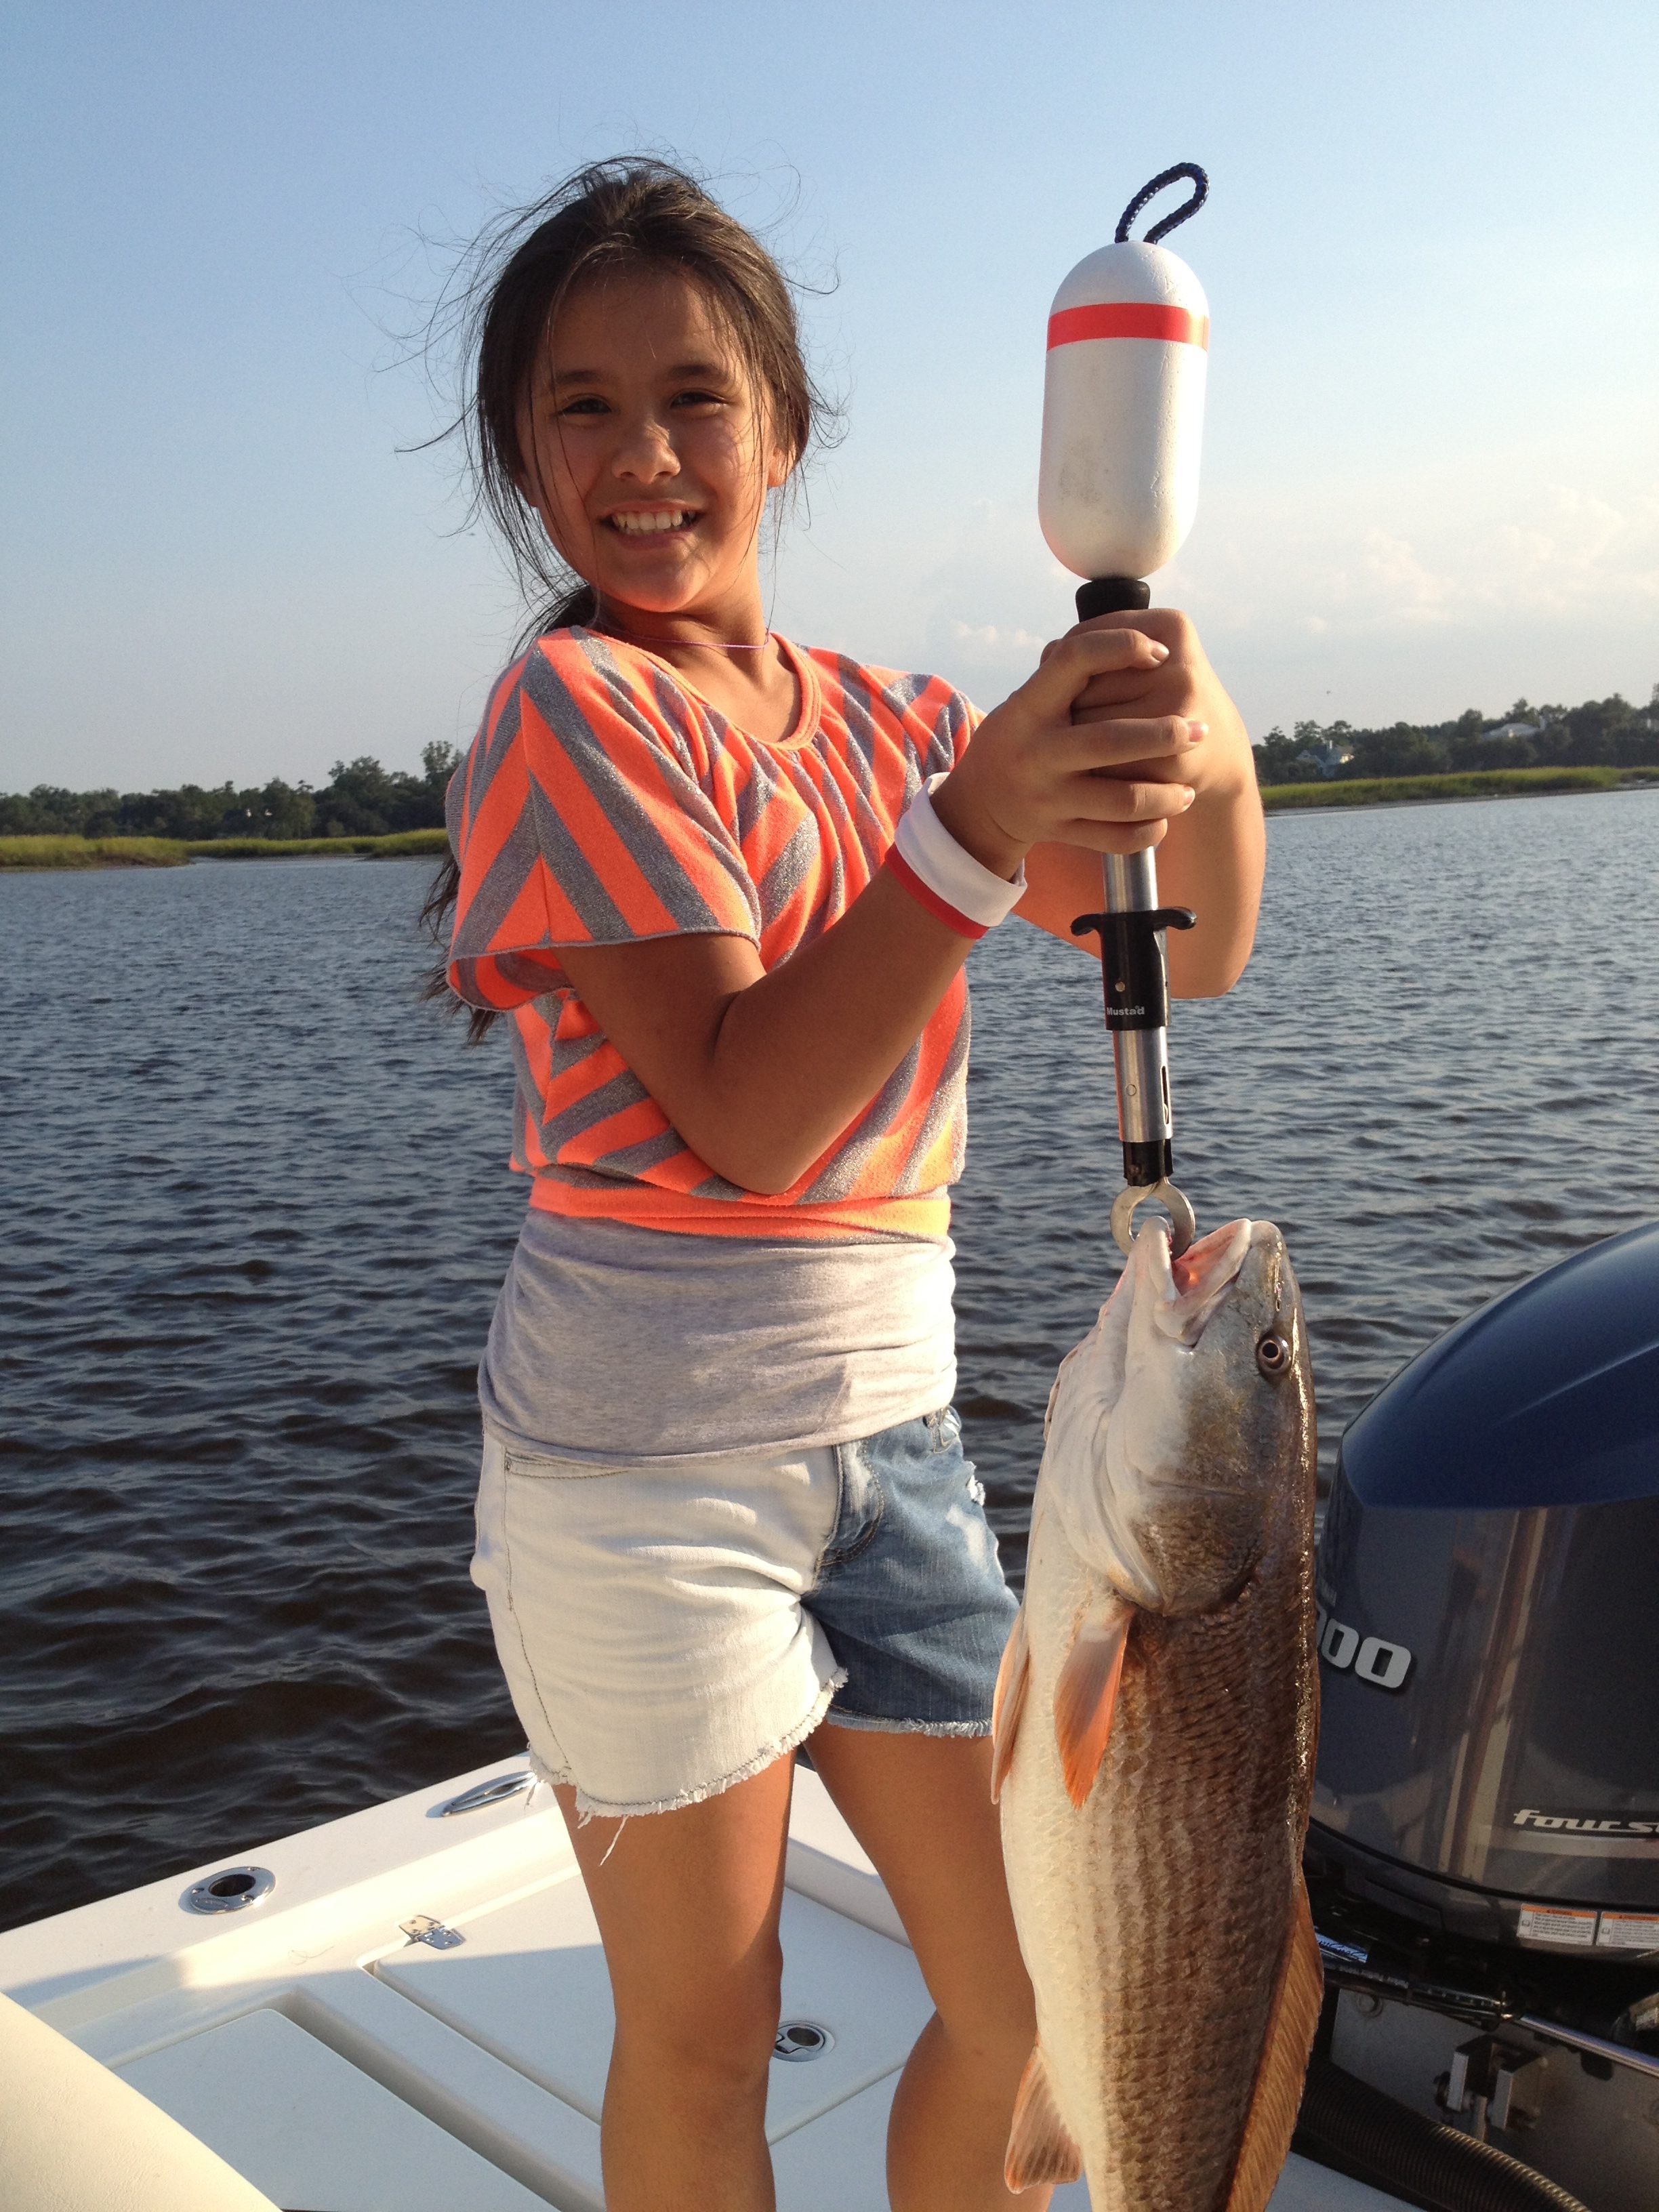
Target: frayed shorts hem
pixel 908 1727
pixel 605 1808
pixel 556 1777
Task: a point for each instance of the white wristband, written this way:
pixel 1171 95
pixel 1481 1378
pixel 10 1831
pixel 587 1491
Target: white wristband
pixel 945 877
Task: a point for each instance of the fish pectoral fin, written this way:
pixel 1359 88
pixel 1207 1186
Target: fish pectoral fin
pixel 1012 1677
pixel 1266 2143
pixel 1041 2146
pixel 1086 1692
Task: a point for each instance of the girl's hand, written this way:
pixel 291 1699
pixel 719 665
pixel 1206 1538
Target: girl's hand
pixel 1212 859
pixel 1182 682
pixel 1058 763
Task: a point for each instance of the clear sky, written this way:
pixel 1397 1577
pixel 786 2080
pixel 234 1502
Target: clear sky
pixel 1429 470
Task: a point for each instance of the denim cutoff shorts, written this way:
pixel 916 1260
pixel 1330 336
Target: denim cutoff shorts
pixel 668 1629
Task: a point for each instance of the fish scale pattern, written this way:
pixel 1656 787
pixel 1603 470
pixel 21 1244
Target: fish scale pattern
pixel 1160 1912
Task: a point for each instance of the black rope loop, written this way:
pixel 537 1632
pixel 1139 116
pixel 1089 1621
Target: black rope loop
pixel 1201 192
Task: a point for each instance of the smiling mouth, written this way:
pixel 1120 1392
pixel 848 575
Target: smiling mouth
pixel 660 522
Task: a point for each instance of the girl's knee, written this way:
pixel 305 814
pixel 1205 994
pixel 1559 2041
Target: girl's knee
pixel 728 2060
pixel 716 2031
pixel 992 2018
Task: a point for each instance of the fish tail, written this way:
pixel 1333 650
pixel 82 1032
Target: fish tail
pixel 1041 2146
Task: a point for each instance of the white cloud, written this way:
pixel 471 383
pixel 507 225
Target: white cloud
pixel 987 637
pixel 1552 554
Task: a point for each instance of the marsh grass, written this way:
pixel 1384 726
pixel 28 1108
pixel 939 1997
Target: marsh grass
pixel 1482 783
pixel 404 844
pixel 93 853
pixel 174 852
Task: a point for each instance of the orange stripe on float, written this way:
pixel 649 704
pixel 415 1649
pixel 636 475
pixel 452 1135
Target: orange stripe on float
pixel 1128 319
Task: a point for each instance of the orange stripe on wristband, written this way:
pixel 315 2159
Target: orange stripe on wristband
pixel 941 909
pixel 1128 319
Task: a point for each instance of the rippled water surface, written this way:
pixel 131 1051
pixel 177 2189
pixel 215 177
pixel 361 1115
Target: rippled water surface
pixel 256 1211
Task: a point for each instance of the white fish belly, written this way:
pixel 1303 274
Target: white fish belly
pixel 1066 1912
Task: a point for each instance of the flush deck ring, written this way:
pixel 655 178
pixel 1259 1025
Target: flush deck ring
pixel 1183 1222
pixel 232 1889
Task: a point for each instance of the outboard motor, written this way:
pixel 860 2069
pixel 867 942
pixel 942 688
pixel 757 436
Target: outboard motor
pixel 1484 1838
pixel 1488 1587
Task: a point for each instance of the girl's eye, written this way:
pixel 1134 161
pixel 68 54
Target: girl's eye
pixel 590 404
pixel 699 399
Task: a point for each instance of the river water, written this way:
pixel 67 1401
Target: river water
pixel 256 1211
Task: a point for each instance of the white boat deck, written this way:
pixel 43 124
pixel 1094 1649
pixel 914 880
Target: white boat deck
pixel 342 2066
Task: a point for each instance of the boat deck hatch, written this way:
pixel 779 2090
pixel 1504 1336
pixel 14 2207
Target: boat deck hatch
pixel 528 1983
pixel 303 2124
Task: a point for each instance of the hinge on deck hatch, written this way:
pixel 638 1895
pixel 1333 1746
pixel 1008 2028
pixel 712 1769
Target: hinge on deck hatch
pixel 423 1929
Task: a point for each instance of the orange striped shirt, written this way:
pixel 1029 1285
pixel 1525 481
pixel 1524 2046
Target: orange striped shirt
pixel 602 801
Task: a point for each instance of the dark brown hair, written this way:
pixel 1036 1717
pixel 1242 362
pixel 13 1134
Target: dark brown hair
pixel 607 218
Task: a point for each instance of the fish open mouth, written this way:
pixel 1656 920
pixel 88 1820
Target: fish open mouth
pixel 1187 1291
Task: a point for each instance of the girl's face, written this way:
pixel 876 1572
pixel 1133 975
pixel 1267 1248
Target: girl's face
pixel 648 454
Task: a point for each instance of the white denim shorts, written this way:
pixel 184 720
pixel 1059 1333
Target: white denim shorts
pixel 669 1629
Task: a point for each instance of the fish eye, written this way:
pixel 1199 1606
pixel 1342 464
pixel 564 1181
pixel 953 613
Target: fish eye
pixel 1273 1355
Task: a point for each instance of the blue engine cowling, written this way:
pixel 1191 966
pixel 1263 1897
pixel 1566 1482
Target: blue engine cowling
pixel 1488 1586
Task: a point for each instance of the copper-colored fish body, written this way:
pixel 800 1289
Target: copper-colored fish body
pixel 1159 1894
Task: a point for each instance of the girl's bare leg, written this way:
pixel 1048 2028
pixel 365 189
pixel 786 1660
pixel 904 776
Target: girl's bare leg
pixel 922 1807
pixel 687 1904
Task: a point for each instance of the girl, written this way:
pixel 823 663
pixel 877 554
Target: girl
pixel 724 1506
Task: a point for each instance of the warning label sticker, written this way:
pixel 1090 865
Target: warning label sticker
pixel 1629 1931
pixel 1550 1924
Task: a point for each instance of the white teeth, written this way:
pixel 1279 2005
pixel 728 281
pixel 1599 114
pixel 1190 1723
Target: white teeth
pixel 636 525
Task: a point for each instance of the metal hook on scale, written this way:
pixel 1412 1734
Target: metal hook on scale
pixel 1123 415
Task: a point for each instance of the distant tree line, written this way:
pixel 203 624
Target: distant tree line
pixel 360 800
pixel 1609 733
pixel 363 799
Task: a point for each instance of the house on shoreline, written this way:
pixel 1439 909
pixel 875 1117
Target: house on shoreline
pixel 1327 756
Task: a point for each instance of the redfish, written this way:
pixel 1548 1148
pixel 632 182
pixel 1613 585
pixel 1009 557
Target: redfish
pixel 1155 1731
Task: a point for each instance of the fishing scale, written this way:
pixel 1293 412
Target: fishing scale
pixel 1122 421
